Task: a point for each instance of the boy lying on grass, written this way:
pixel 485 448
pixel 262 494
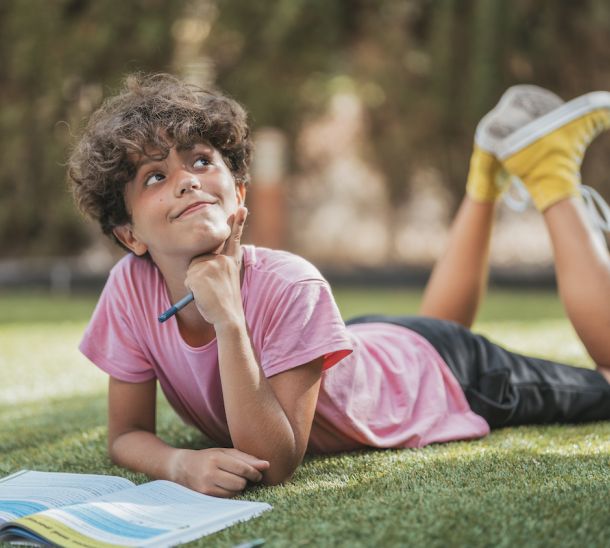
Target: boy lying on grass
pixel 262 362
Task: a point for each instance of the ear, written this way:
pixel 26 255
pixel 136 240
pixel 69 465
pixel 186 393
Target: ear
pixel 240 192
pixel 128 238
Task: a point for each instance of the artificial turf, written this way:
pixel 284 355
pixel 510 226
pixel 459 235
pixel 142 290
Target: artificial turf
pixel 527 486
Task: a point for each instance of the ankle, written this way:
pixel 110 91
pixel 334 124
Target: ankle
pixel 482 183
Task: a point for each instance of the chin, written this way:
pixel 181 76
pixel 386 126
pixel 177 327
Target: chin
pixel 214 243
pixel 208 235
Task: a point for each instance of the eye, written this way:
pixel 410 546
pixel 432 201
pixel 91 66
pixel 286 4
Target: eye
pixel 202 162
pixel 153 179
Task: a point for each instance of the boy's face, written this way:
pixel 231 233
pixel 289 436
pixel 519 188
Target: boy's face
pixel 180 206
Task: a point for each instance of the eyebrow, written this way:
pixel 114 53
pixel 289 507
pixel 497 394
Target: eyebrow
pixel 144 160
pixel 206 146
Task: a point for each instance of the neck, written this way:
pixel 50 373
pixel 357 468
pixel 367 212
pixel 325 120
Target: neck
pixel 194 329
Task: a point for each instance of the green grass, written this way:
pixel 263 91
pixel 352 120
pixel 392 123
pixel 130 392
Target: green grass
pixel 528 486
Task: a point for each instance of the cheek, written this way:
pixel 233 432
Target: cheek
pixel 230 198
pixel 150 210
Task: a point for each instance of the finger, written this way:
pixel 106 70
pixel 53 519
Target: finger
pixel 192 268
pixel 216 491
pixel 240 468
pixel 251 460
pixel 201 259
pixel 230 482
pixel 234 242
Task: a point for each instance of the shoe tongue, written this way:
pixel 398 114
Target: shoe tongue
pixel 524 107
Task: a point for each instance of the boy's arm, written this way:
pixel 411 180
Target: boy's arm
pixel 133 444
pixel 271 418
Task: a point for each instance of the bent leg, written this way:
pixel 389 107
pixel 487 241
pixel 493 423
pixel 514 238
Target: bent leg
pixel 459 278
pixel 582 265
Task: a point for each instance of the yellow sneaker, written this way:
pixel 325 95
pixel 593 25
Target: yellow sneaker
pixel 517 107
pixel 546 153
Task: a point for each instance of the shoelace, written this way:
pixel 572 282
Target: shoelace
pixel 597 208
pixel 517 198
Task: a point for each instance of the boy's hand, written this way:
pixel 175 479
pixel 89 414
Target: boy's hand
pixel 217 472
pixel 214 279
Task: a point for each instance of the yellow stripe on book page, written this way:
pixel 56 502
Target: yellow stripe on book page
pixel 58 533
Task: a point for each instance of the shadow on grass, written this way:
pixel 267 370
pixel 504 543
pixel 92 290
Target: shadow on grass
pixel 70 434
pixel 31 425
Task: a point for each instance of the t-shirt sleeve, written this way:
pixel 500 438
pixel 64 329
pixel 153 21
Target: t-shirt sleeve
pixel 110 340
pixel 305 325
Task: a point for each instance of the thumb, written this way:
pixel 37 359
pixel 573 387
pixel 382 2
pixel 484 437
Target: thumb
pixel 233 244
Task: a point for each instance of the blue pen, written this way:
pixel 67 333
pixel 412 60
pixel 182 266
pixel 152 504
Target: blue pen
pixel 176 307
pixel 251 544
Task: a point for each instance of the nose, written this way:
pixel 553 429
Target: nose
pixel 187 182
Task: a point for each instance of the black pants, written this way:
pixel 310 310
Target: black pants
pixel 506 388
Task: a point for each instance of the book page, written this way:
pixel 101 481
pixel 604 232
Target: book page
pixel 27 492
pixel 160 513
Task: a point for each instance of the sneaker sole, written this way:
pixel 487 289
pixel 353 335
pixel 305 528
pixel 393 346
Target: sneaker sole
pixel 482 138
pixel 551 121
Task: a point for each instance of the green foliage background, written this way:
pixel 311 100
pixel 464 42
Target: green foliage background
pixel 426 70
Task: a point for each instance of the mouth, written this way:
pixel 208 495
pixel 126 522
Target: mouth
pixel 192 208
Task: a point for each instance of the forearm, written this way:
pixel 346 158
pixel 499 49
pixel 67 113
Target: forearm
pixel 144 452
pixel 257 422
pixel 217 472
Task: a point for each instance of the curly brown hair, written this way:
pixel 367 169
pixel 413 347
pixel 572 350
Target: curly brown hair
pixel 151 113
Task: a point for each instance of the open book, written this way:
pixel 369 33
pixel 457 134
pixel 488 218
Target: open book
pixel 89 510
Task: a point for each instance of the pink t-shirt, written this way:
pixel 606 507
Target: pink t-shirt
pixel 382 385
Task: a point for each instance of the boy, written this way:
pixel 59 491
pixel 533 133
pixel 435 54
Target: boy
pixel 262 362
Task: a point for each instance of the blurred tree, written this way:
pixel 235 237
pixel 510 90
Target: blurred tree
pixel 55 57
pixel 425 71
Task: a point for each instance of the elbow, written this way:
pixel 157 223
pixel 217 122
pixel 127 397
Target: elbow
pixel 112 452
pixel 280 471
pixel 270 478
pixel 116 449
pixel 280 468
pixel 283 460
pixel 114 459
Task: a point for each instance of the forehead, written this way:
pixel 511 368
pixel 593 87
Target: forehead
pixel 154 152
